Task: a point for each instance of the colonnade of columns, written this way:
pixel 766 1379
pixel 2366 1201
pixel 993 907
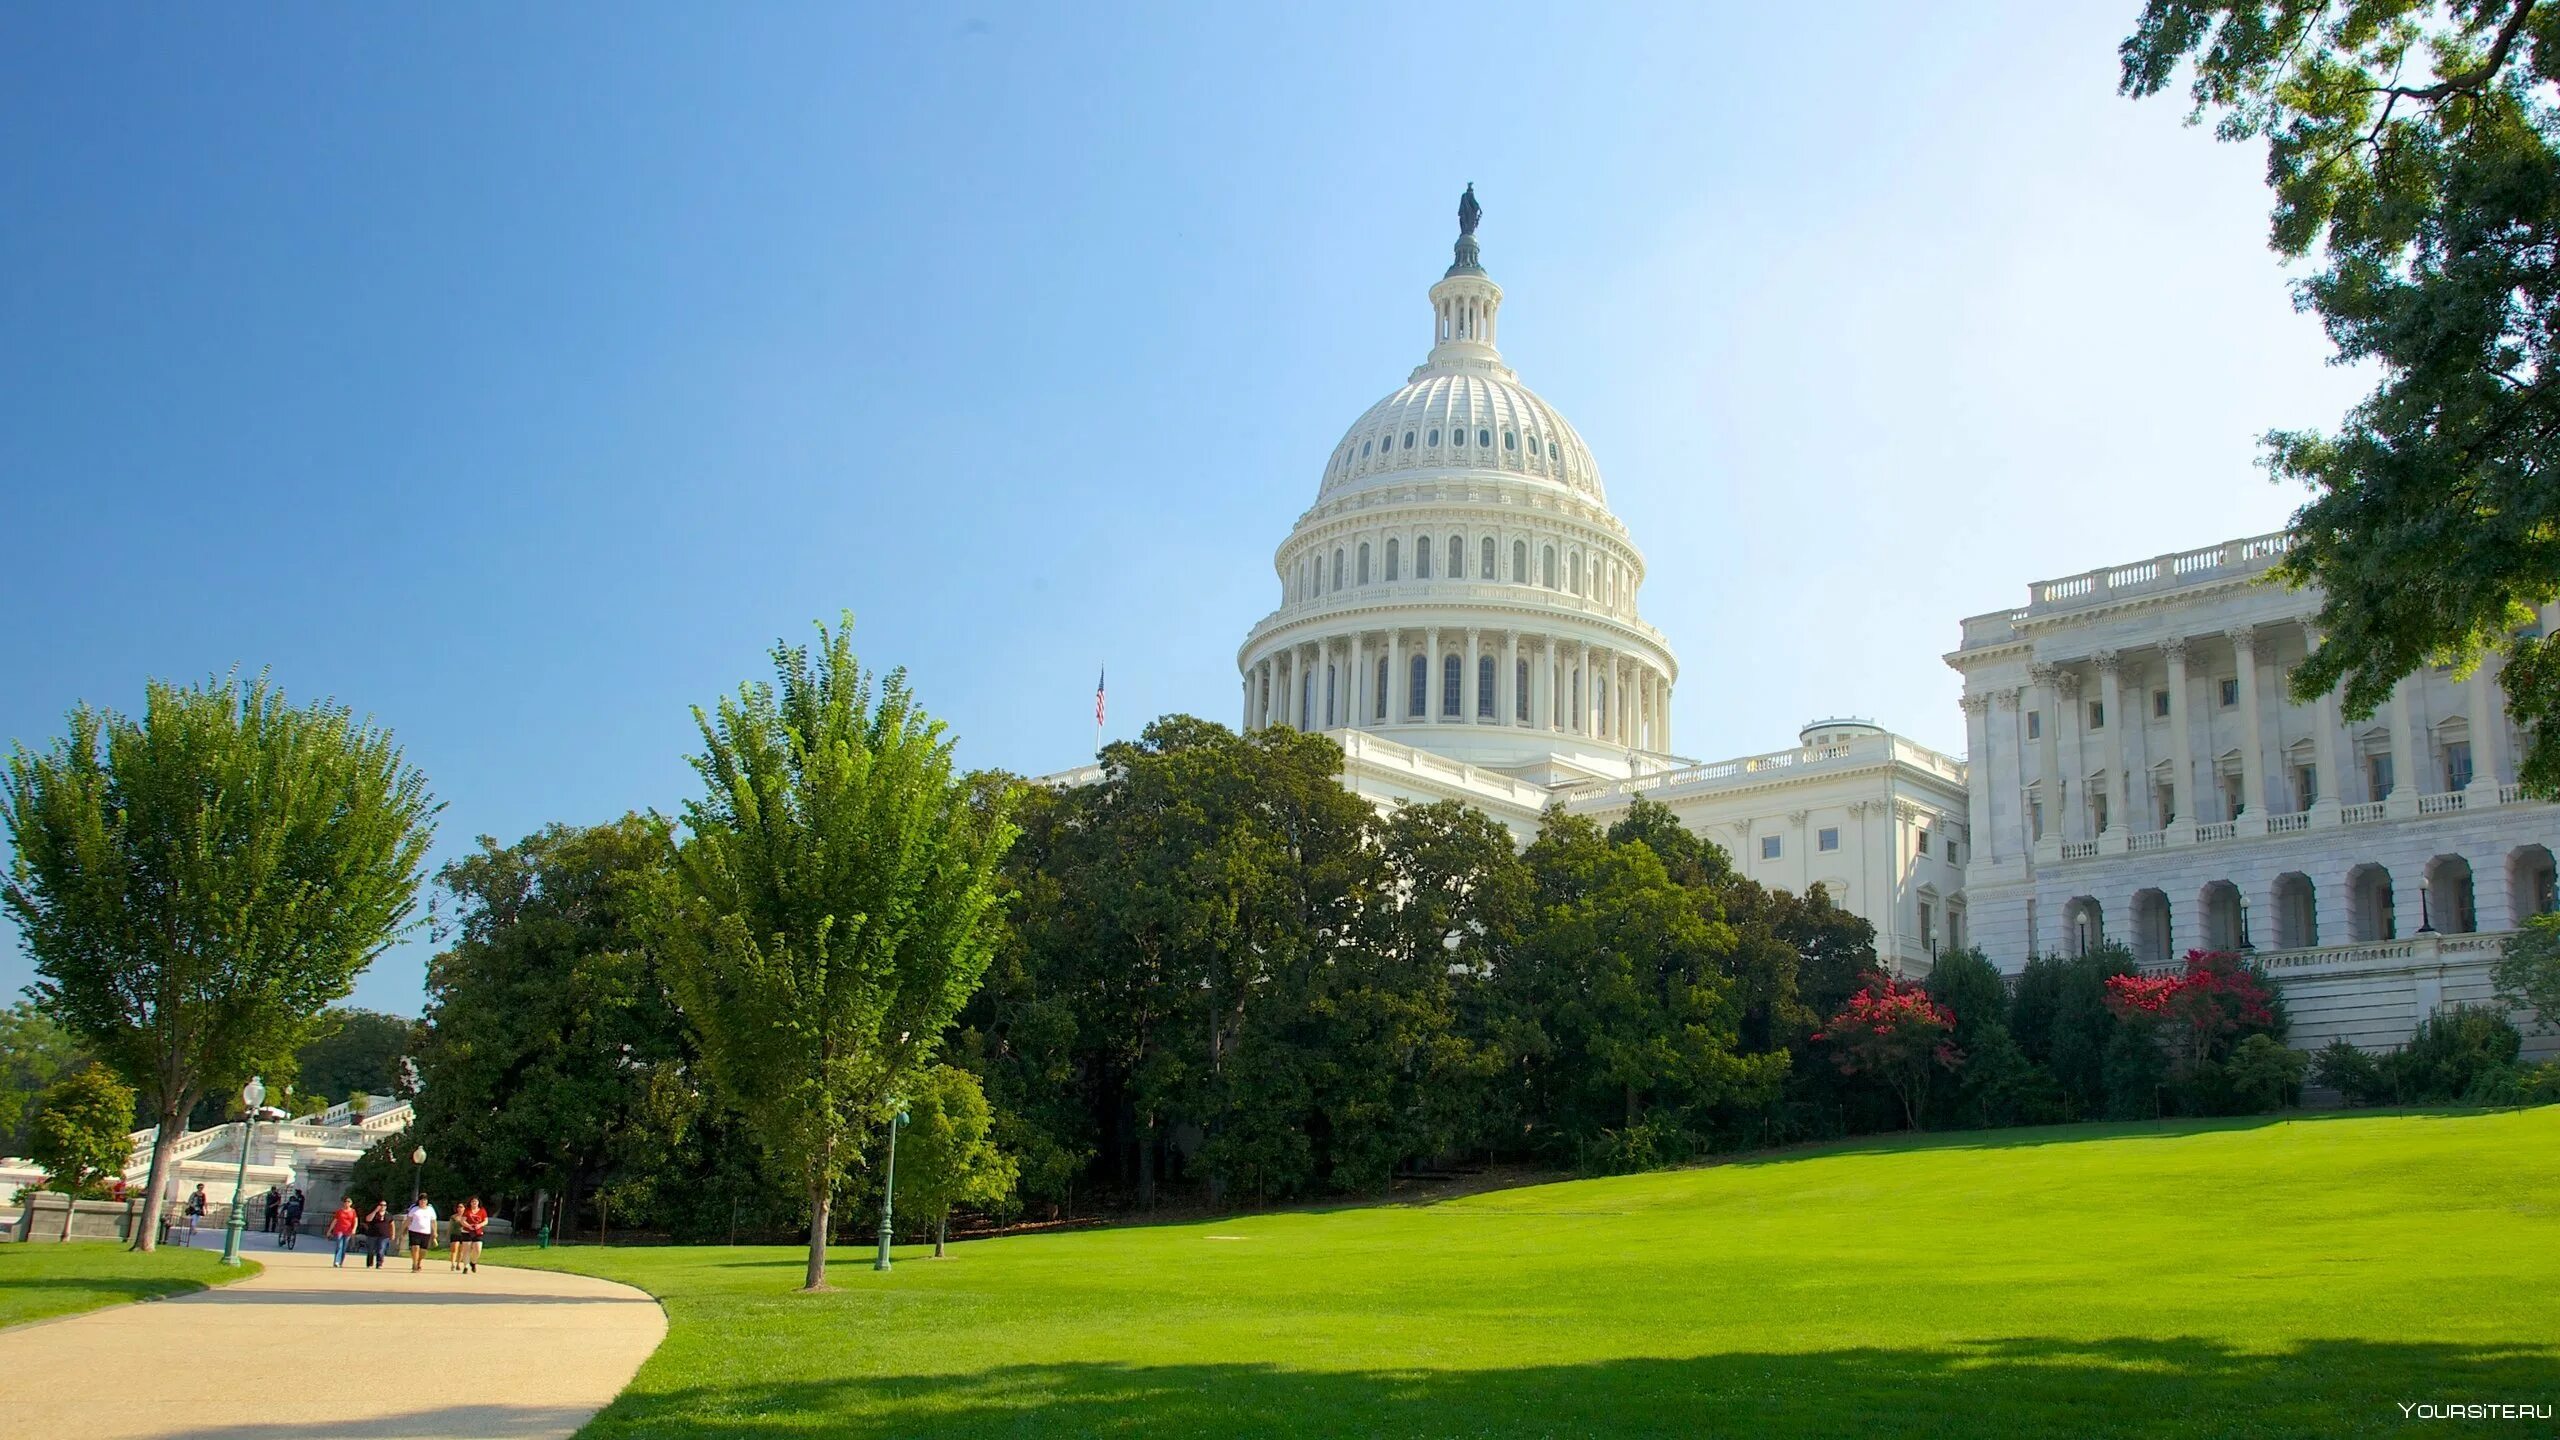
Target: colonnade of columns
pixel 1572 685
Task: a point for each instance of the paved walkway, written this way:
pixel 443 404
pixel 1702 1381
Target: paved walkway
pixel 304 1351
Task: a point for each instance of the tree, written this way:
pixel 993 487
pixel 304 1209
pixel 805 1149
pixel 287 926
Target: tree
pixel 1896 1033
pixel 832 906
pixel 2410 146
pixel 81 1132
pixel 358 1052
pixel 2528 973
pixel 946 1156
pixel 195 886
pixel 34 1053
pixel 2059 1016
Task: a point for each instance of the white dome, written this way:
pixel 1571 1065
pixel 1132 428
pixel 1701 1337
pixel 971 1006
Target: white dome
pixel 1447 419
pixel 1459 584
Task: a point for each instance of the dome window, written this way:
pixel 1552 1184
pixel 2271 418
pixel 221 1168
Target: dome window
pixel 1435 437
pixel 1364 449
pixel 1457 437
pixel 1485 438
pixel 1533 444
pixel 1510 440
pixel 1408 439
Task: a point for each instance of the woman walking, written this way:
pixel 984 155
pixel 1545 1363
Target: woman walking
pixel 342 1228
pixel 377 1234
pixel 470 1227
pixel 422 1232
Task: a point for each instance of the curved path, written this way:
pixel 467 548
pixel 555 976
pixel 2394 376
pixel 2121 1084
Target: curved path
pixel 305 1350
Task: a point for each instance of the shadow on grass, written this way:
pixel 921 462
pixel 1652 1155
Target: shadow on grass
pixel 2112 1388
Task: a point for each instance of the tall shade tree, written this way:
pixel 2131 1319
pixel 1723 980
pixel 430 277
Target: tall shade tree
pixel 832 907
pixel 195 886
pixel 2411 151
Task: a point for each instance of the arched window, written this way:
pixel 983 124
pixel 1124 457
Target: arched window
pixel 1457 558
pixel 1520 562
pixel 1337 567
pixel 1533 445
pixel 1487 569
pixel 1549 561
pixel 1435 435
pixel 1364 449
pixel 1451 673
pixel 1391 562
pixel 1408 439
pixel 1484 687
pixel 1520 692
pixel 1510 439
pixel 1381 706
pixel 1458 436
pixel 1574 573
pixel 1299 590
pixel 1421 688
pixel 1485 438
pixel 1422 558
pixel 1364 562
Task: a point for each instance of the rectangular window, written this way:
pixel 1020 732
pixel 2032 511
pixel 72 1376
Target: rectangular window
pixel 1768 847
pixel 2098 809
pixel 2035 820
pixel 1827 838
pixel 2457 764
pixel 2230 691
pixel 1955 929
pixel 2377 776
pixel 1928 936
pixel 2035 724
pixel 1923 840
pixel 2160 704
pixel 2231 797
pixel 2306 786
pixel 2097 714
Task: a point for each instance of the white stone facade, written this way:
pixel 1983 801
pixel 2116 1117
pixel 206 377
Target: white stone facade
pixel 2139 772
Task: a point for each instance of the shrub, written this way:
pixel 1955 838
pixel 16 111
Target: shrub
pixel 1897 1033
pixel 2528 973
pixel 80 1135
pixel 2451 1051
pixel 2058 1015
pixel 2360 1078
pixel 1644 1145
pixel 2264 1074
pixel 2204 1010
pixel 2134 1069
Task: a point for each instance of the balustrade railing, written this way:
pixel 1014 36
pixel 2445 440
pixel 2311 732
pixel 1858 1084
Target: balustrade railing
pixel 2287 824
pixel 2444 804
pixel 2365 813
pixel 2217 830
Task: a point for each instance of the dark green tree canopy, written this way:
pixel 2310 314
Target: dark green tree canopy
pixel 2410 146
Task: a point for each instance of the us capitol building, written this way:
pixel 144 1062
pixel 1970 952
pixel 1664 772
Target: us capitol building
pixel 1459 610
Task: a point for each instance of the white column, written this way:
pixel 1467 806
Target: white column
pixel 2048 756
pixel 1245 722
pixel 2488 729
pixel 1473 685
pixel 1509 689
pixel 2405 786
pixel 2111 701
pixel 1582 724
pixel 1358 689
pixel 1977 769
pixel 1431 679
pixel 1542 682
pixel 1395 677
pixel 2008 778
pixel 2253 741
pixel 2075 760
pixel 2324 752
pixel 2182 763
pixel 1664 742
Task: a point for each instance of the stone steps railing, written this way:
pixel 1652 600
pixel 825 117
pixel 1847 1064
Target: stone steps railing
pixel 2296 822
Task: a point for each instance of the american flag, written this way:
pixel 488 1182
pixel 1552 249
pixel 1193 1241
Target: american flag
pixel 1098 678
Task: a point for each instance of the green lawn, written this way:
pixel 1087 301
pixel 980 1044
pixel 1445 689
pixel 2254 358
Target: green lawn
pixel 2295 1277
pixel 39 1281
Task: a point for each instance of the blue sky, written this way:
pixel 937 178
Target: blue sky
pixel 517 376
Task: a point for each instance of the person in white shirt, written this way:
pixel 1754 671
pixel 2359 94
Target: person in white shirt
pixel 422 1233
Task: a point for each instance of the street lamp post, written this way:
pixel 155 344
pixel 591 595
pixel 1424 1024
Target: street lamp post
pixel 889 1183
pixel 252 1095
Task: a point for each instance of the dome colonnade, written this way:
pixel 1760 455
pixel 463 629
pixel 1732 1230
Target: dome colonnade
pixel 1460 577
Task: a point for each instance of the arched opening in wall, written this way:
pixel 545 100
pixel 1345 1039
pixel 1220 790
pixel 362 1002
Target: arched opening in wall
pixel 1549 561
pixel 1520 692
pixel 1364 562
pixel 2084 924
pixel 1451 671
pixel 1457 557
pixel 2533 887
pixel 2371 913
pixel 1484 687
pixel 1379 704
pixel 2297 912
pixel 1486 569
pixel 1573 573
pixel 1418 697
pixel 2225 925
pixel 1520 562
pixel 1422 558
pixel 2151 926
pixel 1337 567
pixel 1391 562
pixel 2449 895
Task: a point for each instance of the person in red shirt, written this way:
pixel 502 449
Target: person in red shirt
pixel 470 1228
pixel 342 1228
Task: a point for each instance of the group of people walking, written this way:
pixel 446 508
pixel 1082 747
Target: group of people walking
pixel 376 1228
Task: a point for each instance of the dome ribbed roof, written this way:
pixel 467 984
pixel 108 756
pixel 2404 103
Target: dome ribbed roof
pixel 1445 419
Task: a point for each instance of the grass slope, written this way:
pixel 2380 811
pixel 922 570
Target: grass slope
pixel 39 1282
pixel 2246 1278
